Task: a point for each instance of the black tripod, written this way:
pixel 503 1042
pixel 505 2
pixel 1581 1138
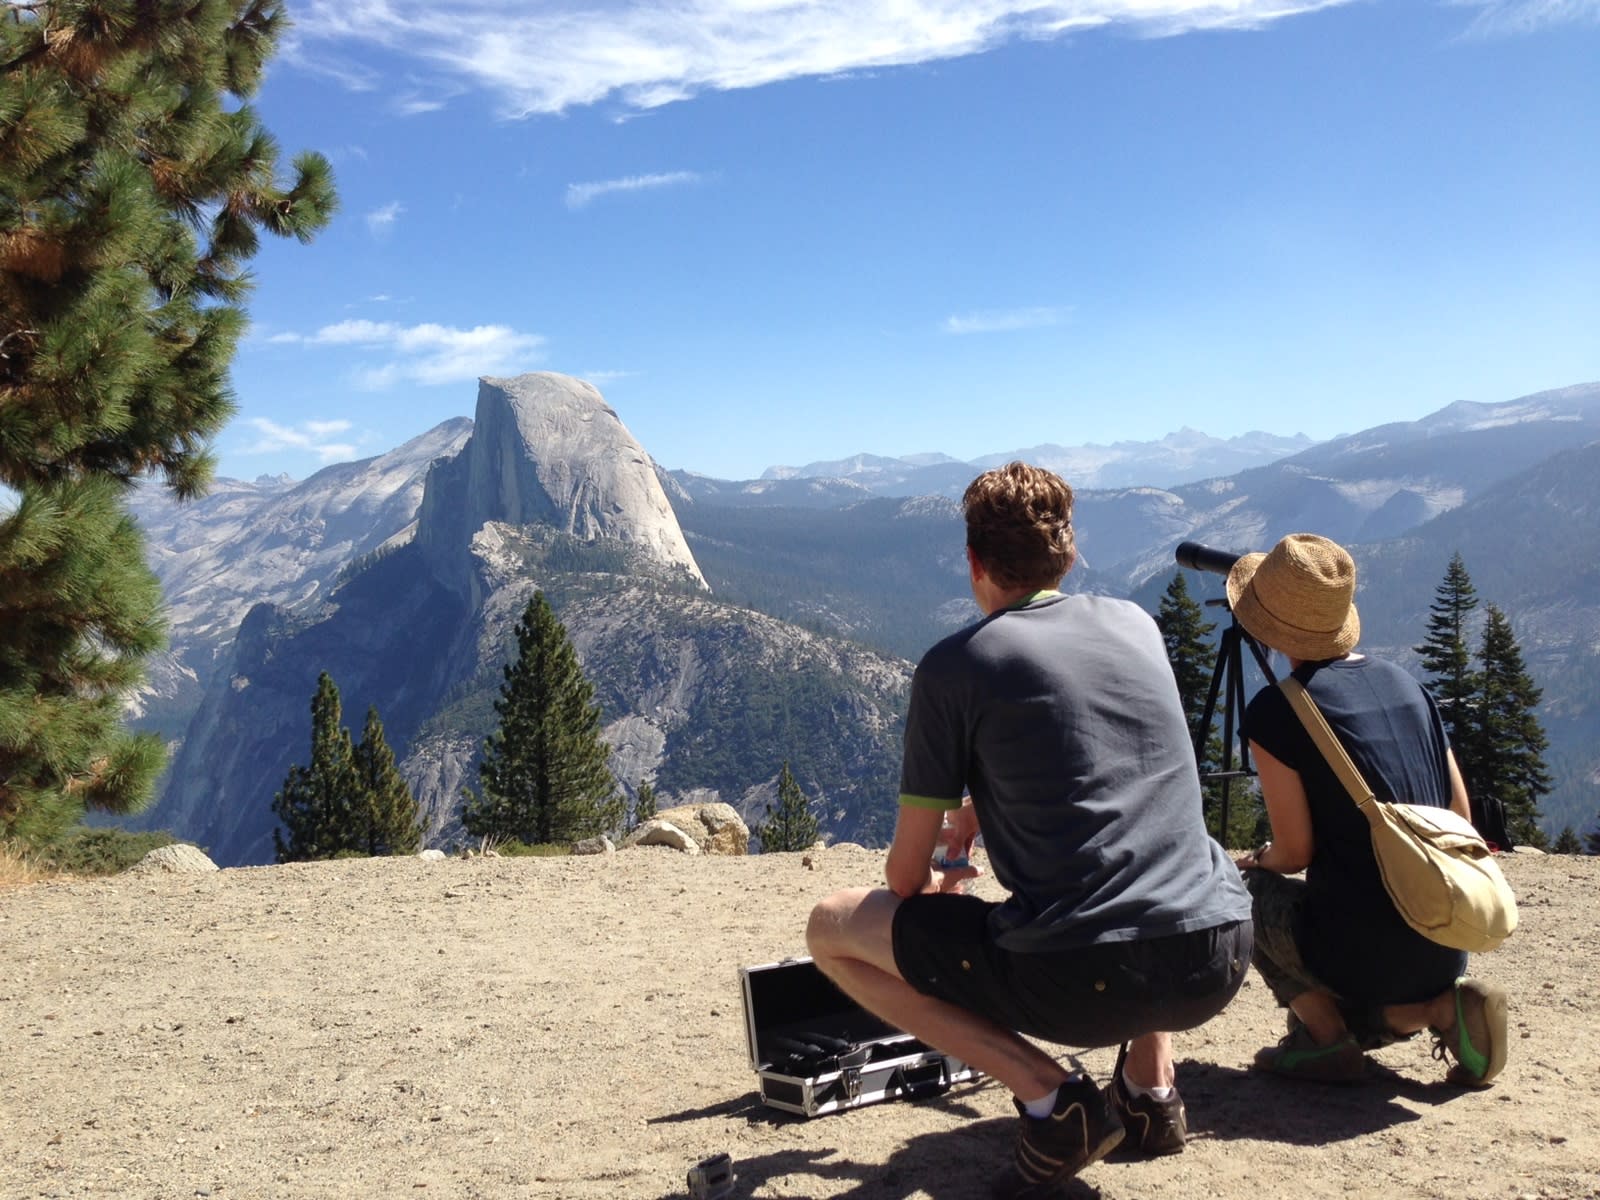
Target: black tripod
pixel 1227 680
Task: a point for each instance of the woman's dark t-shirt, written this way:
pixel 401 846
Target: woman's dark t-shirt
pixel 1350 935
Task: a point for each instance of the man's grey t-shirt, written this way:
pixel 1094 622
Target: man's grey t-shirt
pixel 1062 718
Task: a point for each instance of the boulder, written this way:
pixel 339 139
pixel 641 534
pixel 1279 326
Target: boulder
pixel 717 828
pixel 594 845
pixel 179 857
pixel 657 832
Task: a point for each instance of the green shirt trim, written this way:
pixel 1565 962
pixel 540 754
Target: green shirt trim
pixel 1042 594
pixel 933 802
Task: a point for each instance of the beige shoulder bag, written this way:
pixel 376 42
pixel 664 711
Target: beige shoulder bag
pixel 1439 872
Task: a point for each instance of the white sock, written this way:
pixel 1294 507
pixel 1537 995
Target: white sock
pixel 1043 1106
pixel 1135 1089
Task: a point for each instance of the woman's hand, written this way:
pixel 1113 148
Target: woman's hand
pixel 1252 860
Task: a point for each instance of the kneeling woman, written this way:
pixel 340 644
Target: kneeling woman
pixel 1332 947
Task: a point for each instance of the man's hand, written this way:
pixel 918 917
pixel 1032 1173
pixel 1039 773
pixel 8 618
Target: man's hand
pixel 952 879
pixel 959 830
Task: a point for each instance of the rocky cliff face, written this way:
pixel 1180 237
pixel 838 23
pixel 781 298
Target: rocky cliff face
pixel 549 451
pixel 272 541
pixel 550 493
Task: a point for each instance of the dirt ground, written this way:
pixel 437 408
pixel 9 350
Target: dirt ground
pixel 573 1028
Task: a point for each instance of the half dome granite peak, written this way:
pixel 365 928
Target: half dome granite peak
pixel 547 449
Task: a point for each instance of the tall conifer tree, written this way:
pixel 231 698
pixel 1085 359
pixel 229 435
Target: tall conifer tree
pixel 1186 633
pixel 320 805
pixel 131 198
pixel 644 805
pixel 1447 658
pixel 1507 738
pixel 78 615
pixel 790 823
pixel 131 195
pixel 544 776
pixel 388 810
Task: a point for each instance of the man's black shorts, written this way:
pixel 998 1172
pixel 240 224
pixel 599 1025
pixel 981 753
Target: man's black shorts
pixel 1097 995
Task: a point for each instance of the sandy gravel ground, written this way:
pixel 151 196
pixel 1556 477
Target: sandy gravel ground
pixel 573 1028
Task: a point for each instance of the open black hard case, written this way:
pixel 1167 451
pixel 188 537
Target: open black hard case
pixel 817 1051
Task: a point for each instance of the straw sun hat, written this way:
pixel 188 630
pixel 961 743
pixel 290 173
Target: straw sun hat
pixel 1299 597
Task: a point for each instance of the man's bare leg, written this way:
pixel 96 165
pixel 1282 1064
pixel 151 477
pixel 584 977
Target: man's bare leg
pixel 1149 1061
pixel 850 937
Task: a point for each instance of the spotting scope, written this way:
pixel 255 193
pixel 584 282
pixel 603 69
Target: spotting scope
pixel 1205 558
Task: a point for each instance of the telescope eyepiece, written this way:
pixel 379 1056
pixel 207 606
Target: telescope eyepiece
pixel 1205 558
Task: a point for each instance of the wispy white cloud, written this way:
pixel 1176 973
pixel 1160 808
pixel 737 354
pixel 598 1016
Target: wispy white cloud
pixel 559 54
pixel 321 60
pixel 580 194
pixel 381 220
pixel 310 436
pixel 1004 320
pixel 1506 18
pixel 427 353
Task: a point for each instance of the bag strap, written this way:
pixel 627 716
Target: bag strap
pixel 1328 742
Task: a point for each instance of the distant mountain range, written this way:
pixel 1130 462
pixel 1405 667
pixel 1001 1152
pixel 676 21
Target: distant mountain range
pixel 403 574
pixel 1181 457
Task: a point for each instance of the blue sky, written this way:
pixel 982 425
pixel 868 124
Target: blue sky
pixel 775 231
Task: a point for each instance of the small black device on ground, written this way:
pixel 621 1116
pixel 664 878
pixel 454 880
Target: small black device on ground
pixel 711 1178
pixel 817 1051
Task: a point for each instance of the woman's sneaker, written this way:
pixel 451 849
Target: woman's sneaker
pixel 1476 1039
pixel 1297 1056
pixel 1153 1126
pixel 1081 1129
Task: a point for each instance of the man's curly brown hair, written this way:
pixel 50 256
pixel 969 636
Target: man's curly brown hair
pixel 1019 524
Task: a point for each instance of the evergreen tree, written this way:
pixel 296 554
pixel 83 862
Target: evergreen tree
pixel 320 806
pixel 644 805
pixel 1508 742
pixel 131 196
pixel 130 200
pixel 790 823
pixel 1187 634
pixel 78 615
pixel 544 775
pixel 388 809
pixel 1567 842
pixel 1448 661
pixel 1457 688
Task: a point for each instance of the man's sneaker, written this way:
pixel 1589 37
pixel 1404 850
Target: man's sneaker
pixel 1082 1129
pixel 1297 1056
pixel 1476 1039
pixel 1153 1126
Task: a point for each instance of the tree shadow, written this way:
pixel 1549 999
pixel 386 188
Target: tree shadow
pixel 1229 1104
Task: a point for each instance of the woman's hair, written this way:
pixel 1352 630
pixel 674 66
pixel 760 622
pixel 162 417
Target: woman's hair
pixel 1019 524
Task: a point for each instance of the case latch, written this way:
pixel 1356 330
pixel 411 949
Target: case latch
pixel 850 1064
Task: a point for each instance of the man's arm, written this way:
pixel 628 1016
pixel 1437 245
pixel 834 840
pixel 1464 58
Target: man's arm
pixel 909 868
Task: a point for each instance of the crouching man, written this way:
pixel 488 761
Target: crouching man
pixel 1125 921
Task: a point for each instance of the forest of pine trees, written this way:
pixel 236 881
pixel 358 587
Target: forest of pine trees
pixel 134 185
